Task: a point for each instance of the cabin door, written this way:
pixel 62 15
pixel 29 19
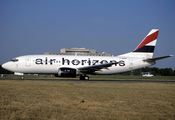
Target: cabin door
pixel 130 64
pixel 28 61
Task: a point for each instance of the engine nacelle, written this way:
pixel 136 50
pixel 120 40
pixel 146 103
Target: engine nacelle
pixel 66 72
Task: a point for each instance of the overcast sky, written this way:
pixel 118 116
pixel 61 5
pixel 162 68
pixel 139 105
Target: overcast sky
pixel 112 26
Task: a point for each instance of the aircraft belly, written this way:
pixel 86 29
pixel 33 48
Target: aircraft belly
pixel 40 69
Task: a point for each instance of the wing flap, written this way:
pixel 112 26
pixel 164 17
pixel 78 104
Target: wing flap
pixel 156 59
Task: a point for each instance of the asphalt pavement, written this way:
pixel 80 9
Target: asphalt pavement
pixel 105 81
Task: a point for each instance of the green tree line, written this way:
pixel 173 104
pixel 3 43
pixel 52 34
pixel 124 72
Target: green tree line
pixel 163 71
pixel 154 70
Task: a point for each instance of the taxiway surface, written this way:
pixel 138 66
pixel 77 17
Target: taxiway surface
pixel 105 81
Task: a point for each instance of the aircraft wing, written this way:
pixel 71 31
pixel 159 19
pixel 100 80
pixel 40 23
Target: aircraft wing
pixel 92 68
pixel 158 58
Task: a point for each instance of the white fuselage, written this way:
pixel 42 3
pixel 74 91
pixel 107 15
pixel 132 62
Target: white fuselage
pixel 72 65
pixel 50 64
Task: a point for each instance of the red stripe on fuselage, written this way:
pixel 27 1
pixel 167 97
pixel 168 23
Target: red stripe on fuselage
pixel 148 39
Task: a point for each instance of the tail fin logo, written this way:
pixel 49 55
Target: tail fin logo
pixel 149 42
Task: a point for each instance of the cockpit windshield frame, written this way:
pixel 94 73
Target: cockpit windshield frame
pixel 14 60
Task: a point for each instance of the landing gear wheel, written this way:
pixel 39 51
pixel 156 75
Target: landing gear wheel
pixel 22 77
pixel 84 77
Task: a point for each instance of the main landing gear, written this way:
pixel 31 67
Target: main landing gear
pixel 22 77
pixel 84 77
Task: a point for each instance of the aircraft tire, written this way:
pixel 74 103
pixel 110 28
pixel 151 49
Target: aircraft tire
pixel 84 77
pixel 22 77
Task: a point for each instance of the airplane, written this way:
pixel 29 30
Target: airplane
pixel 74 65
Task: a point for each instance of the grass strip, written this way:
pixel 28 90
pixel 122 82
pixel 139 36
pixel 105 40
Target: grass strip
pixel 86 100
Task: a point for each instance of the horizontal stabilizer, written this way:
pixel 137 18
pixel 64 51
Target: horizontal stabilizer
pixel 156 59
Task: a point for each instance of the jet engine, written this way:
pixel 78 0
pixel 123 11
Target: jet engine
pixel 66 72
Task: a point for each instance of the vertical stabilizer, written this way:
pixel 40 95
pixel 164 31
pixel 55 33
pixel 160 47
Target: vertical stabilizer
pixel 149 42
pixel 146 48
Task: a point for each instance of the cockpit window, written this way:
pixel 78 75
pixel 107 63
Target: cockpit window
pixel 14 60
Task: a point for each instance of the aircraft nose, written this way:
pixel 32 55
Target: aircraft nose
pixel 6 65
